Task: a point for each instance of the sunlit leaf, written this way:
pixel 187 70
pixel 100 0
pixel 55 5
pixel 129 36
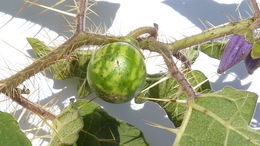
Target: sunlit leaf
pixel 220 118
pixel 67 126
pixel 10 133
pixel 169 89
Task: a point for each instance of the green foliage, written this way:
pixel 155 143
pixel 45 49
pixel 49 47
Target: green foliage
pixel 76 66
pixel 220 118
pixel 100 129
pixel 10 134
pixel 61 70
pixel 213 49
pixel 169 89
pixel 255 51
pixel 67 126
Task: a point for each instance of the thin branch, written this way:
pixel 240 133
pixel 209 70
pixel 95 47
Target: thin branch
pixel 152 31
pixel 81 16
pixel 183 59
pixel 216 32
pixel 256 15
pixel 16 96
pixel 176 73
pixel 255 8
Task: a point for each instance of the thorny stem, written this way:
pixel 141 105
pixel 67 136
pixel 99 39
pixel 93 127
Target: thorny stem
pixel 83 38
pixel 81 16
pixel 220 31
pixel 183 59
pixel 16 96
pixel 255 8
pixel 42 63
pixel 144 30
pixel 256 15
pixel 175 72
pixel 9 85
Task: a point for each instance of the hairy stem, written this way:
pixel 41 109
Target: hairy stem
pixel 16 96
pixel 81 16
pixel 255 8
pixel 144 30
pixel 226 29
pixel 173 69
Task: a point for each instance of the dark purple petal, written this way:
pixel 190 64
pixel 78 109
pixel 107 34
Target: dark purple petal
pixel 236 50
pixel 251 64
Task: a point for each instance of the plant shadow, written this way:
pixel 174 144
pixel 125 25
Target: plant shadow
pixel 106 12
pixel 208 10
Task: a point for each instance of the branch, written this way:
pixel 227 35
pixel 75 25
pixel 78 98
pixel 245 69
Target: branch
pixel 255 8
pixel 183 59
pixel 81 16
pixel 16 96
pixel 143 30
pixel 256 15
pixel 8 85
pixel 219 31
pixel 173 69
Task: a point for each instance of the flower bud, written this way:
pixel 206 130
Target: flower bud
pixel 236 50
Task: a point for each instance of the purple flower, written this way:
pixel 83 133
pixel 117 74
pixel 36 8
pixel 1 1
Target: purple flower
pixel 251 64
pixel 237 49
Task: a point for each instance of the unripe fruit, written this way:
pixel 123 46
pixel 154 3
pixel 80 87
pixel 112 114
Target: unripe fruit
pixel 116 72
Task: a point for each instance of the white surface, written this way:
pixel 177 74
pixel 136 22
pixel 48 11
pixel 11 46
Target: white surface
pixel 176 19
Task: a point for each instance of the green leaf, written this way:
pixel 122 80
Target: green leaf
pixel 130 136
pixel 213 49
pixel 76 66
pixel 10 134
pixel 169 89
pixel 220 118
pixel 100 129
pixel 80 63
pixel 61 70
pixel 255 51
pixel 67 126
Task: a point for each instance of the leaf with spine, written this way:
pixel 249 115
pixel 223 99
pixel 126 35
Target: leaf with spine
pixel 220 118
pixel 213 49
pixel 255 53
pixel 67 126
pixel 169 89
pixel 10 133
pixel 100 129
pixel 61 70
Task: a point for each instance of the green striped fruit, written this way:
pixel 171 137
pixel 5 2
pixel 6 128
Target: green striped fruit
pixel 116 72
